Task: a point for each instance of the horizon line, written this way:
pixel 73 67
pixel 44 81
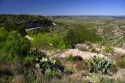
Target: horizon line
pixel 60 15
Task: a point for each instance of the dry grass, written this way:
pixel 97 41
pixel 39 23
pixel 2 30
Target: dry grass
pixel 19 79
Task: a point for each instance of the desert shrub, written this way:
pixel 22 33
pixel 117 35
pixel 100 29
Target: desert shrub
pixel 3 34
pixel 100 65
pixel 72 37
pixel 10 25
pixel 36 52
pixel 21 30
pixel 15 44
pixel 81 35
pixel 47 40
pixel 121 62
pixel 49 67
pixel 73 58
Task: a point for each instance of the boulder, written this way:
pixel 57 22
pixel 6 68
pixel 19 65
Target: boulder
pixel 82 54
pixel 119 51
pixel 96 48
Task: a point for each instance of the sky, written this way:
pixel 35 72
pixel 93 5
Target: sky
pixel 63 7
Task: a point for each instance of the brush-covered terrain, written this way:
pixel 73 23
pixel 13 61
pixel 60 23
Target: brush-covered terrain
pixel 62 49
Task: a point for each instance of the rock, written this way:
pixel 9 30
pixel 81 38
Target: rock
pixel 54 24
pixel 96 48
pixel 29 38
pixel 82 54
pixel 119 51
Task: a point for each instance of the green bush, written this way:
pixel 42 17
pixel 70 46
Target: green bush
pixel 72 37
pixel 47 40
pixel 49 67
pixel 10 25
pixel 3 34
pixel 37 52
pixel 81 35
pixel 15 44
pixel 100 65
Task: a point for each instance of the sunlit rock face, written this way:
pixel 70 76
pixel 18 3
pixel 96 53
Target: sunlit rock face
pixel 28 37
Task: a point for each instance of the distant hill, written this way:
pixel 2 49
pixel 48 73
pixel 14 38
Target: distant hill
pixel 29 21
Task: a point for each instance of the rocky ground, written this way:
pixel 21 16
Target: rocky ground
pixel 87 51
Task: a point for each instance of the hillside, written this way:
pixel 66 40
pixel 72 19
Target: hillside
pixel 62 49
pixel 110 28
